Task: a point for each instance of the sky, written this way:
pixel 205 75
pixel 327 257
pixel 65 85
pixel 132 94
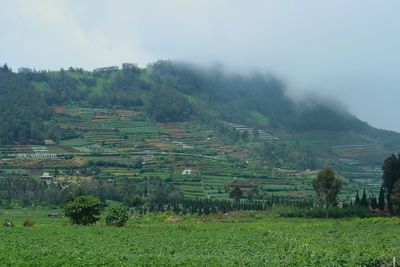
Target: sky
pixel 348 50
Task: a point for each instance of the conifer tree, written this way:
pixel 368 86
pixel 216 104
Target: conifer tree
pixel 374 202
pixel 381 199
pixel 357 200
pixel 364 201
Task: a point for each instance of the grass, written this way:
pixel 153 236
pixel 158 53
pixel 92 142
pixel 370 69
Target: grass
pixel 249 239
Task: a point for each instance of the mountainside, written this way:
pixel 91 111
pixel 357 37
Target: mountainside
pixel 169 91
pixel 177 116
pixel 22 109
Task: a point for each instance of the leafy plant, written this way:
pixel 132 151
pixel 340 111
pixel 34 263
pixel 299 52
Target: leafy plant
pixel 117 215
pixel 83 210
pixel 327 186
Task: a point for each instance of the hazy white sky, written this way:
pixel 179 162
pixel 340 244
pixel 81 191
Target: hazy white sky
pixel 346 49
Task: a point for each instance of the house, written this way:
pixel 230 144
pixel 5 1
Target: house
pixel 187 171
pixel 49 142
pixel 46 178
pixel 35 155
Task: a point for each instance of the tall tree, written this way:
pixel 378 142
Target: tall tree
pixel 236 193
pixel 396 197
pixel 381 199
pixel 364 200
pixel 357 200
pixel 327 186
pixel 391 174
pixel 374 202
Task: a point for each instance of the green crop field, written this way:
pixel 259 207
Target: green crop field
pixel 247 239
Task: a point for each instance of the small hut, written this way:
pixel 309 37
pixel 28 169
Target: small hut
pixel 46 178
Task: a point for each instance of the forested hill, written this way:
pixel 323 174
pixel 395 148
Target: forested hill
pixel 166 92
pixel 22 109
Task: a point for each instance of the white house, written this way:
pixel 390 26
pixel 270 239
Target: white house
pixel 46 178
pixel 187 171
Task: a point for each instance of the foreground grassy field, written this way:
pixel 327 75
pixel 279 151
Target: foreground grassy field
pixel 251 239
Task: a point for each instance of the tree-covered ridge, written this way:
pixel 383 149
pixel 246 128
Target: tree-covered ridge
pixel 166 91
pixel 23 109
pixel 236 98
pixel 164 87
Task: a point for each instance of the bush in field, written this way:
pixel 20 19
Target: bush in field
pixel 28 223
pixel 83 210
pixel 117 215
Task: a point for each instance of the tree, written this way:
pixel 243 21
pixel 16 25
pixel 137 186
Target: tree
pixel 168 105
pixel 117 215
pixel 4 69
pixel 137 163
pixel 357 200
pixel 327 186
pixel 381 199
pixel 83 210
pixel 364 201
pixel 236 193
pixel 23 110
pixel 374 202
pixel 135 201
pixel 256 133
pixel 391 174
pixel 395 198
pixel 245 135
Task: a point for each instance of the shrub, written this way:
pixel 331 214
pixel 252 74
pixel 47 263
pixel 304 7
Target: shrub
pixel 83 210
pixel 117 215
pixel 331 212
pixel 28 223
pixel 136 201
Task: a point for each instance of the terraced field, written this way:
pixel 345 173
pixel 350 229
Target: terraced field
pixel 199 160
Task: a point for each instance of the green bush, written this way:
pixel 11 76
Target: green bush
pixel 135 201
pixel 83 210
pixel 117 215
pixel 331 212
